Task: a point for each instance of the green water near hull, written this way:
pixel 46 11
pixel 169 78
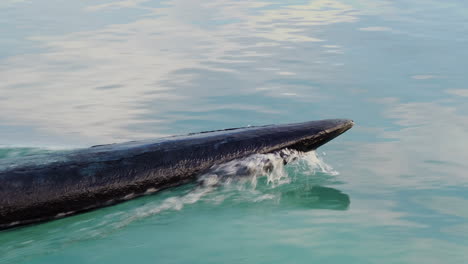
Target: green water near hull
pixel 86 73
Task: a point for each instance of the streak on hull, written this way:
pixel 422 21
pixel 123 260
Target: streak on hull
pixel 55 186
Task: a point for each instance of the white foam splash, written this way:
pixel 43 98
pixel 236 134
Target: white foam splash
pixel 238 175
pixel 314 164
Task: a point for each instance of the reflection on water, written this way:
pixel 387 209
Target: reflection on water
pixel 85 72
pixel 317 197
pixel 125 81
pixel 11 153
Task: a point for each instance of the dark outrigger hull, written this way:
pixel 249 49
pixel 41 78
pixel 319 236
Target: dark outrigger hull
pixel 53 186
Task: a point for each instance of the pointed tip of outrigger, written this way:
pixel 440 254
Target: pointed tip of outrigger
pixel 328 130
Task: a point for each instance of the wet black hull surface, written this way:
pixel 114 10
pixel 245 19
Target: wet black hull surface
pixel 54 186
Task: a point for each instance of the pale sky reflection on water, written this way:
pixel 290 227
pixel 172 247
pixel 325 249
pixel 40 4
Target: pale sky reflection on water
pixel 93 85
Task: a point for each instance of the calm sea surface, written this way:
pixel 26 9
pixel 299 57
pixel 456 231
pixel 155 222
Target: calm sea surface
pixel 394 189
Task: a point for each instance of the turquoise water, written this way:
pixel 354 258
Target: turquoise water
pixel 394 189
